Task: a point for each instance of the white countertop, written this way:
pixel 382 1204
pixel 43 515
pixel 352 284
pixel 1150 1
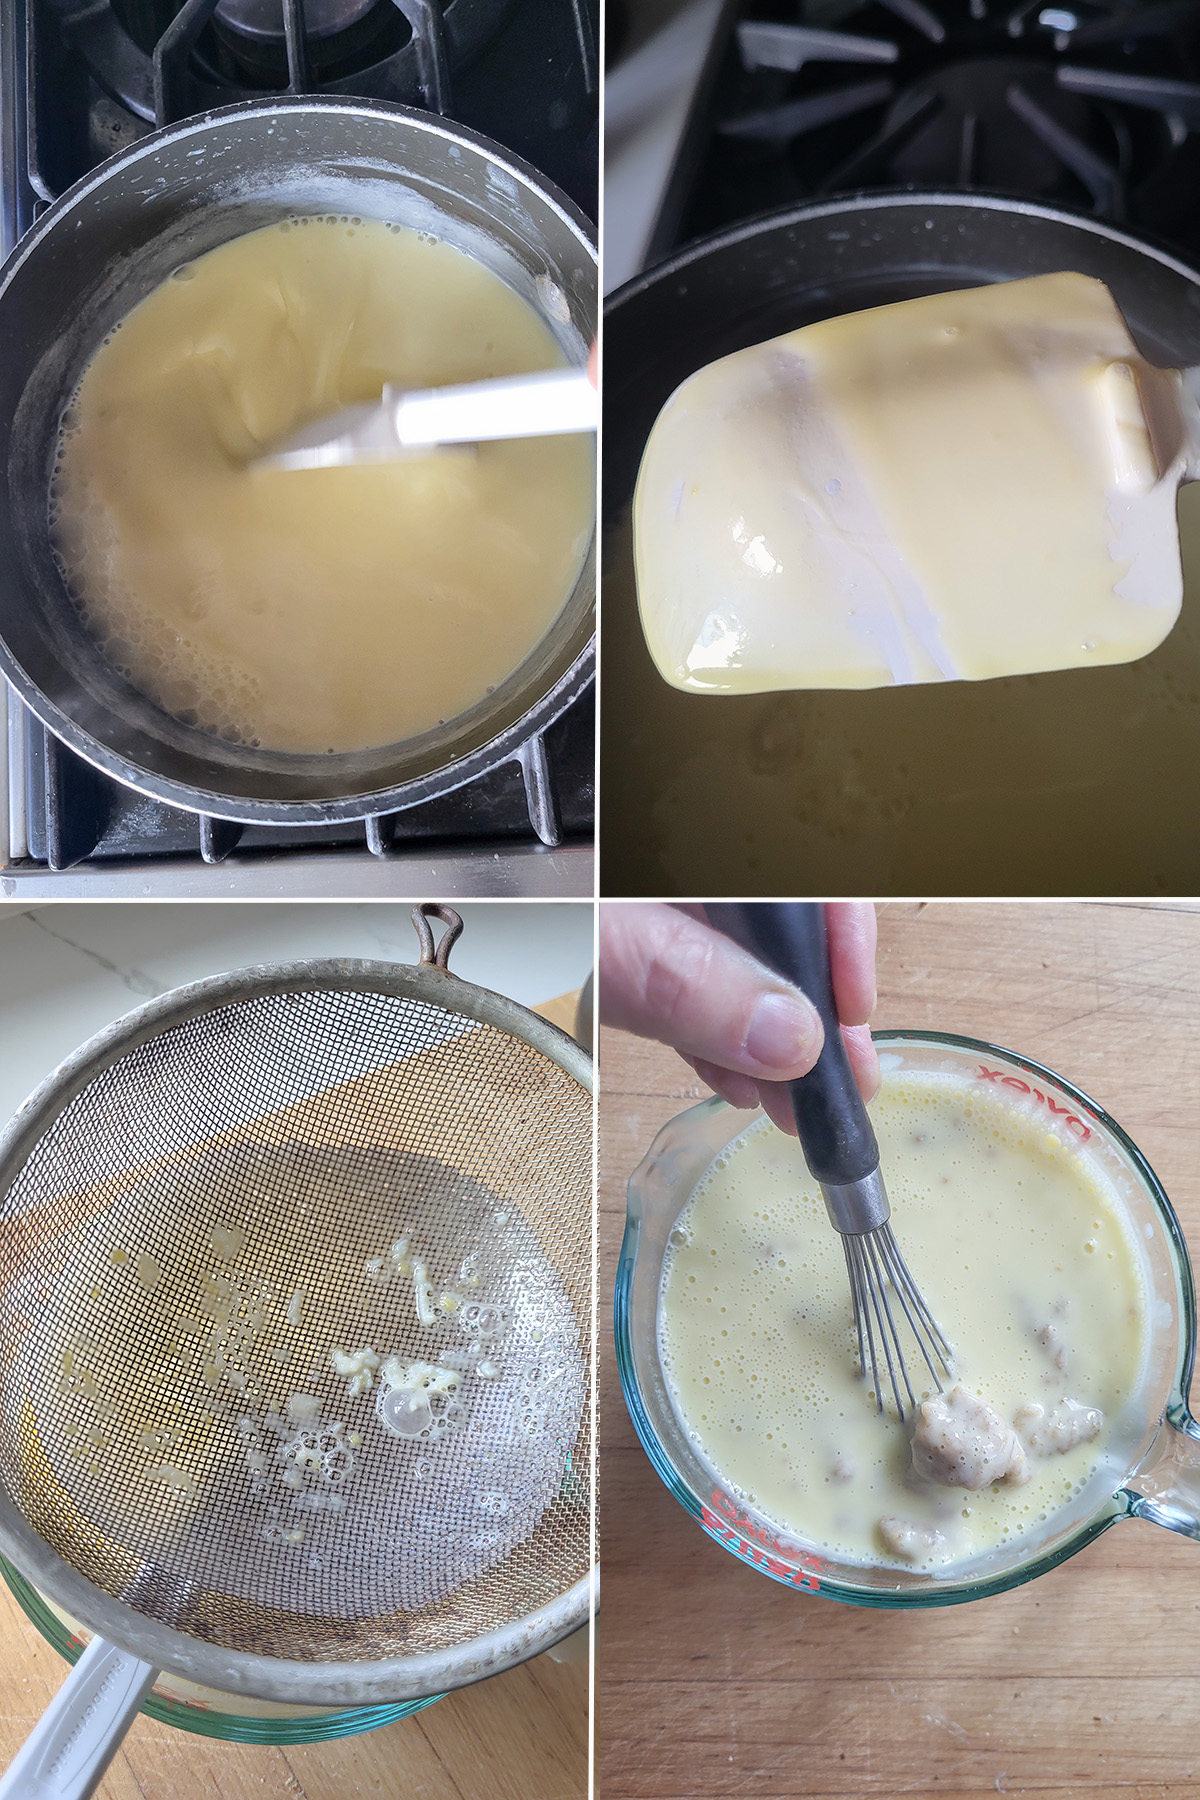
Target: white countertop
pixel 67 970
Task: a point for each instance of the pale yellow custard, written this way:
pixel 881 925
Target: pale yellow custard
pixel 329 609
pixel 1021 1248
pixel 962 486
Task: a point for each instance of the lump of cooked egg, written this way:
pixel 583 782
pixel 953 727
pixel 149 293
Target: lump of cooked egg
pixel 1055 1432
pixel 423 1295
pixel 226 1240
pixel 961 1441
pixel 1051 1342
pixel 302 1409
pixel 915 1543
pixel 148 1271
pixel 421 1377
pixel 395 1263
pixel 293 1312
pixel 356 1367
pixel 181 1479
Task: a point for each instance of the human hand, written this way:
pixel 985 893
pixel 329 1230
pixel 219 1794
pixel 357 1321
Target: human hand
pixel 665 973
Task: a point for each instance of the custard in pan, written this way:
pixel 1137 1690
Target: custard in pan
pixel 320 610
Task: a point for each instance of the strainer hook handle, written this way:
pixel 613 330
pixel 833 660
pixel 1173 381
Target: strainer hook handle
pixel 438 958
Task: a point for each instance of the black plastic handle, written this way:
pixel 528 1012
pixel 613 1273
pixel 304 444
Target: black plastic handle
pixel 790 937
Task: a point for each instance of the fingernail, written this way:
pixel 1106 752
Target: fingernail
pixel 782 1031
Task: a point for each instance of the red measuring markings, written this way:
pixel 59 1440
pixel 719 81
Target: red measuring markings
pixel 735 1529
pixel 1072 1121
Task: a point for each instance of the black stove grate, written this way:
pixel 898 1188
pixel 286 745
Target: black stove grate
pixel 1075 104
pixel 76 814
pixel 523 72
pixel 98 74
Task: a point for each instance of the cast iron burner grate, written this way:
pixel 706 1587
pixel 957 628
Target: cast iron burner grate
pixel 1074 104
pixel 104 72
pixel 76 814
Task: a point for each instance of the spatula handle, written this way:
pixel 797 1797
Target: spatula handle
pixel 65 1755
pixel 790 937
pixel 1189 406
pixel 540 405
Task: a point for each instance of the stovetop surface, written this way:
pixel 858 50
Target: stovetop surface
pixel 522 72
pixel 81 80
pixel 1087 105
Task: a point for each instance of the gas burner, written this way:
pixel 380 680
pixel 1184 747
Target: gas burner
pixel 104 72
pixel 265 18
pixel 1073 104
pixel 254 45
pixel 164 59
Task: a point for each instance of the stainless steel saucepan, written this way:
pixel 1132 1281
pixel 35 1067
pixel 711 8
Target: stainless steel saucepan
pixel 101 249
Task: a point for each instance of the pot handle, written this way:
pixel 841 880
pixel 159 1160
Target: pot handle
pixel 1166 1487
pixel 68 1750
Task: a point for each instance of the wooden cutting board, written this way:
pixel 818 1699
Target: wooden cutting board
pixel 713 1681
pixel 519 1736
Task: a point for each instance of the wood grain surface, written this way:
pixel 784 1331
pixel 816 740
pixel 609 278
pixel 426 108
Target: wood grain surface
pixel 713 1681
pixel 520 1736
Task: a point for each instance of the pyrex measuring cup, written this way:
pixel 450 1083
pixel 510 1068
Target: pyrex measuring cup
pixel 1152 1470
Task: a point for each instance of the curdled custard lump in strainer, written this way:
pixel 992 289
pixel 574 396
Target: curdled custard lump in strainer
pixel 295 1274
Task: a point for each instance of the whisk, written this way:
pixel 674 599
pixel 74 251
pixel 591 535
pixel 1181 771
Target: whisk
pixel 841 1152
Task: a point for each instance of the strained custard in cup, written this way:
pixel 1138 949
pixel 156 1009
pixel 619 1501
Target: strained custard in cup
pixel 1019 1243
pixel 316 610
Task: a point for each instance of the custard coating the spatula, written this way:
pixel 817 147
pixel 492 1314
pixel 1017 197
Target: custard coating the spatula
pixel 958 487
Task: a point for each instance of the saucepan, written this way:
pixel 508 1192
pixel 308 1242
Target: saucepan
pixel 102 248
pixel 1082 781
pixel 1152 1468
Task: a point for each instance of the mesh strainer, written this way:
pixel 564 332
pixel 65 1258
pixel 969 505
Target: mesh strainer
pixel 295 1301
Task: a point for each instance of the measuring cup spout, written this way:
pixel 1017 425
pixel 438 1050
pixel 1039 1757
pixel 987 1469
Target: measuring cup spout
pixel 1165 1488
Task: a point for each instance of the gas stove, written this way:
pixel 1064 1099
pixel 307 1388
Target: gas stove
pixel 83 79
pixel 1091 105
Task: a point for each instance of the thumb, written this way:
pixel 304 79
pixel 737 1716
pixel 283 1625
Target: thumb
pixel 665 975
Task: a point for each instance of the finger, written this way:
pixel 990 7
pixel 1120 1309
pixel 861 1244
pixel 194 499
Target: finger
pixel 667 976
pixel 776 1102
pixel 737 1089
pixel 851 928
pixel 863 1059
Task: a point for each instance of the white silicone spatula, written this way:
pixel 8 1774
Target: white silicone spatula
pixel 545 404
pixel 963 486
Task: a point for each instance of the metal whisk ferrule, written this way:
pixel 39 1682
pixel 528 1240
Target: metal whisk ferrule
pixel 879 1277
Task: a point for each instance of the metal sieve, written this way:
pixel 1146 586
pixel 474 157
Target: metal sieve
pixel 295 1316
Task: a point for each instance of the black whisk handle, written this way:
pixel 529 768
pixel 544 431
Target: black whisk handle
pixel 790 938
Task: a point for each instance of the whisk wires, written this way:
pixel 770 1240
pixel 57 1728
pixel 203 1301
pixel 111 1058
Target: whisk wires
pixel 879 1278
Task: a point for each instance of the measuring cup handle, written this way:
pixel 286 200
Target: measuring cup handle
pixel 68 1750
pixel 1166 1487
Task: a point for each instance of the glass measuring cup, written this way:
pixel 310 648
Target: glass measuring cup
pixel 1152 1467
